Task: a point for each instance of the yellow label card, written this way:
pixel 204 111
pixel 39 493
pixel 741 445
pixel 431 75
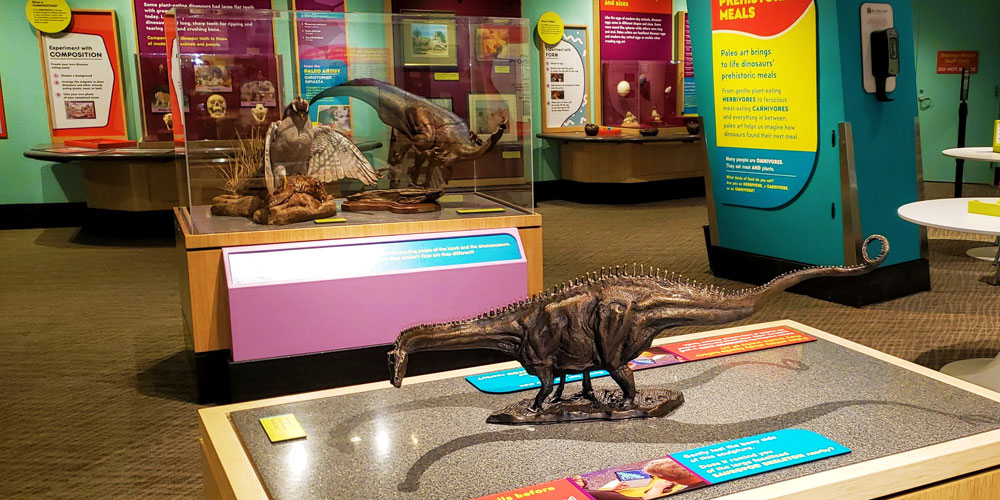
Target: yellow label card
pixel 502 69
pixel 450 77
pixel 507 155
pixel 282 428
pixel 451 198
pixel 479 210
pixel 330 220
pixel 983 208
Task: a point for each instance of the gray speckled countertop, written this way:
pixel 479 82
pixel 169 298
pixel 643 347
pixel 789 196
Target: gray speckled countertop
pixel 430 440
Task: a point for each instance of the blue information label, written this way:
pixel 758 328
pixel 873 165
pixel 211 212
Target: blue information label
pixel 518 380
pixel 758 454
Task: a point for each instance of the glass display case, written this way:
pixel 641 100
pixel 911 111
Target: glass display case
pixel 293 118
pixel 640 94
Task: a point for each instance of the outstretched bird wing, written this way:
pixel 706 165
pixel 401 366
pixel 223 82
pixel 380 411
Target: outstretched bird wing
pixel 334 157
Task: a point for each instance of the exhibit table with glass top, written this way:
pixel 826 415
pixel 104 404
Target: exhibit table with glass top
pixel 912 432
pixel 629 157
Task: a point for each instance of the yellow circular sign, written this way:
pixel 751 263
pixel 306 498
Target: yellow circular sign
pixel 550 28
pixel 48 16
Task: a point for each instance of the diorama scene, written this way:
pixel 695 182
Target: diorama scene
pixel 343 141
pixel 293 249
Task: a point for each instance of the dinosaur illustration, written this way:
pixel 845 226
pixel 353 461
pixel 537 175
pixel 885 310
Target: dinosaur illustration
pixel 436 135
pixel 602 321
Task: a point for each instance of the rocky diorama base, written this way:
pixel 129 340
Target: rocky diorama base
pixel 607 405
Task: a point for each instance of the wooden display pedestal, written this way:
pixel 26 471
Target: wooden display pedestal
pixel 204 295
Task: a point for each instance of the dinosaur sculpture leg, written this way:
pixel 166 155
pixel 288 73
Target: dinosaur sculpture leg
pixel 559 389
pixel 588 388
pixel 624 378
pixel 545 376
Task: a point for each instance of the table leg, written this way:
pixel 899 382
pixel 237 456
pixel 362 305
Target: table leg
pixel 983 372
pixel 995 279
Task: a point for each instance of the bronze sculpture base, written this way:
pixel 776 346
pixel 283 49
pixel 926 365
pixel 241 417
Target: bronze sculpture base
pixel 609 405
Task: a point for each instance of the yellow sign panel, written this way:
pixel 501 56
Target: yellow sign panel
pixel 282 428
pixel 550 28
pixel 448 77
pixel 479 210
pixel 502 69
pixel 48 16
pixel 507 155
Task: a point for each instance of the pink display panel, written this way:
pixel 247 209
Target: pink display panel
pixel 302 298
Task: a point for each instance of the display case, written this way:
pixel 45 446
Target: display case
pixel 639 94
pixel 402 118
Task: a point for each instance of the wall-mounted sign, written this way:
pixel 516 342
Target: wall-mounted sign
pixel 766 109
pixel 82 73
pixel 550 28
pixel 951 62
pixel 565 100
pixel 48 16
pixel 3 118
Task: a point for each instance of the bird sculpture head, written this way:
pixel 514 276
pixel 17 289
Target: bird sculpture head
pixel 298 111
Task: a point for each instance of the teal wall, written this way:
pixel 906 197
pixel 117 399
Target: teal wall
pixel 577 12
pixel 965 25
pixel 31 181
pixel 805 230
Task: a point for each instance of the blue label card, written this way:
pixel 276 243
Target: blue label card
pixel 758 454
pixel 517 379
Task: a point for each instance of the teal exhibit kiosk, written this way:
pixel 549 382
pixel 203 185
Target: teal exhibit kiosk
pixel 810 116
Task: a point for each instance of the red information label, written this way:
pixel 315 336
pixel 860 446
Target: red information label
pixel 734 344
pixel 952 61
pixel 560 489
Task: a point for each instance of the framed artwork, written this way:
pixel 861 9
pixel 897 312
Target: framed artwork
pixel 444 102
pixel 492 43
pixel 565 88
pixel 213 74
pixel 429 42
pixel 488 111
pixel 3 118
pixel 338 116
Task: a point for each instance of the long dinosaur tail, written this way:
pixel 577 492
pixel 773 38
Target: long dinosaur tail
pixel 762 294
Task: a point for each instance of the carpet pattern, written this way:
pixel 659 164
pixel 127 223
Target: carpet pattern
pixel 99 390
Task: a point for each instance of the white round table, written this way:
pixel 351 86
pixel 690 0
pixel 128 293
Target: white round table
pixel 977 153
pixel 953 213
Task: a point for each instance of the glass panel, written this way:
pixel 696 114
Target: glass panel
pixel 429 100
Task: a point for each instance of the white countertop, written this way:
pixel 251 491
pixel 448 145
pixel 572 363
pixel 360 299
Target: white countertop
pixel 951 213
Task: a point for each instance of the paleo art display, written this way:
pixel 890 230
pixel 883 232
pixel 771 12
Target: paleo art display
pixel 600 322
pixel 246 136
pixel 437 136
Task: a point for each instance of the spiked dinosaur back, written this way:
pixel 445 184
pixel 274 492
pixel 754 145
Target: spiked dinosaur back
pixel 605 318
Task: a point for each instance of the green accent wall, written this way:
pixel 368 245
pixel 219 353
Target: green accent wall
pixel 576 12
pixel 965 25
pixel 31 181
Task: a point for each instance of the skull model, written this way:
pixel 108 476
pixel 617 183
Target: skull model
pixel 259 113
pixel 216 106
pixel 168 120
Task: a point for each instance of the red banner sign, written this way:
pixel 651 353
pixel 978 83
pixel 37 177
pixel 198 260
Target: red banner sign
pixel 951 62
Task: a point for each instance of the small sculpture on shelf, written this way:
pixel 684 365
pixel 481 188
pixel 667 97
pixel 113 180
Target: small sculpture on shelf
pixel 655 115
pixel 436 135
pixel 398 201
pixel 258 113
pixel 591 129
pixel 630 120
pixel 600 322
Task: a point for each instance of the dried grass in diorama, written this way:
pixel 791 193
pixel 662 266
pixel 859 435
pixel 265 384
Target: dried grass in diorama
pixel 244 161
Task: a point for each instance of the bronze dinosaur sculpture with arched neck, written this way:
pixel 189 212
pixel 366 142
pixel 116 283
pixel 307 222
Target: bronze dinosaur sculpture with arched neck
pixel 602 321
pixel 436 134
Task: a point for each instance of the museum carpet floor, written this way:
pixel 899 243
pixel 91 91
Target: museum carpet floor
pixel 98 397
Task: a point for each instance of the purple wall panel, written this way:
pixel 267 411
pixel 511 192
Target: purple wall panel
pixel 288 319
